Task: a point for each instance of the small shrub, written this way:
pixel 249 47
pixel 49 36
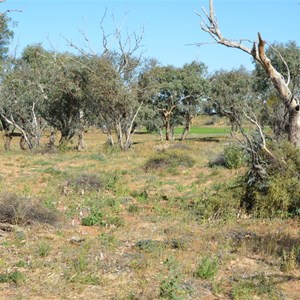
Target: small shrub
pixel 83 183
pixel 21 210
pixel 275 193
pixel 133 208
pixel 94 218
pixel 15 277
pixel 207 268
pixel 169 160
pixel 44 249
pixel 148 245
pixel 142 196
pixel 171 286
pixel 234 156
pixel 258 287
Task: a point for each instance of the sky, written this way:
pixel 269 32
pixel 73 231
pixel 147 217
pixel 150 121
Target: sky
pixel 171 28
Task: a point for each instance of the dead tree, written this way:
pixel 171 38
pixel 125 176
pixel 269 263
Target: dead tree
pixel 257 51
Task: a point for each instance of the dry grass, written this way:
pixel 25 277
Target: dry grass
pixel 151 244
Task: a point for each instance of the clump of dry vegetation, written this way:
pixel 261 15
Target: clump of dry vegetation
pixel 22 210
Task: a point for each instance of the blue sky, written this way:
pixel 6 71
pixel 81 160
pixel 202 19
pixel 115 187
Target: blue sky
pixel 170 27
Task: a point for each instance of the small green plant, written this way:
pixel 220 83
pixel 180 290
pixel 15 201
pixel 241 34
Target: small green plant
pixel 170 287
pixel 258 287
pixel 133 208
pixel 43 249
pixel 207 268
pixel 289 260
pixel 94 218
pixel 15 277
pixel 234 156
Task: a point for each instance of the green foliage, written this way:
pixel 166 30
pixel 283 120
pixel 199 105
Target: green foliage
pixel 133 208
pixel 43 249
pixel 169 160
pixel 94 218
pixel 207 268
pixel 170 287
pixel 234 156
pixel 15 277
pixel 219 203
pixel 259 286
pixel 276 193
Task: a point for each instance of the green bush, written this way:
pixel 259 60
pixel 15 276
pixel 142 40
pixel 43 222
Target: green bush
pixel 169 160
pixel 207 268
pixel 94 218
pixel 15 277
pixel 276 192
pixel 234 156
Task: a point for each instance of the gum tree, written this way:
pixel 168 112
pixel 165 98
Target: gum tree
pixel 257 51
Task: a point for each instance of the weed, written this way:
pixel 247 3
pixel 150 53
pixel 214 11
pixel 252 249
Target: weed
pixel 108 240
pixel 133 208
pixel 170 287
pixel 94 218
pixel 43 249
pixel 260 287
pixel 141 196
pixel 207 268
pixel 148 245
pixel 289 260
pixel 15 277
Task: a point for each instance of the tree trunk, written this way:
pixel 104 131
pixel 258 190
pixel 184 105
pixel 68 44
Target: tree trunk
pixel 167 121
pixel 187 127
pixel 294 126
pixel 23 144
pixel 51 143
pixel 66 136
pixel 7 139
pixel 81 144
pixel 258 53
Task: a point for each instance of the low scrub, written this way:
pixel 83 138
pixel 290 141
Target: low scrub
pixel 275 191
pixel 169 160
pixel 21 210
pixel 233 157
pixel 89 183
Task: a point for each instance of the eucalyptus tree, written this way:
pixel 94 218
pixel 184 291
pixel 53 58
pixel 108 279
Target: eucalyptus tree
pixel 258 53
pixel 195 88
pixel 175 94
pixel 286 59
pixel 65 96
pixel 20 100
pixel 231 92
pixel 164 93
pixel 113 83
pixel 6 34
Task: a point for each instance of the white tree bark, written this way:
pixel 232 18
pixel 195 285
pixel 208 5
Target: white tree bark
pixel 257 51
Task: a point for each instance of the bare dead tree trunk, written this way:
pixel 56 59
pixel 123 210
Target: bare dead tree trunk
pixel 257 51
